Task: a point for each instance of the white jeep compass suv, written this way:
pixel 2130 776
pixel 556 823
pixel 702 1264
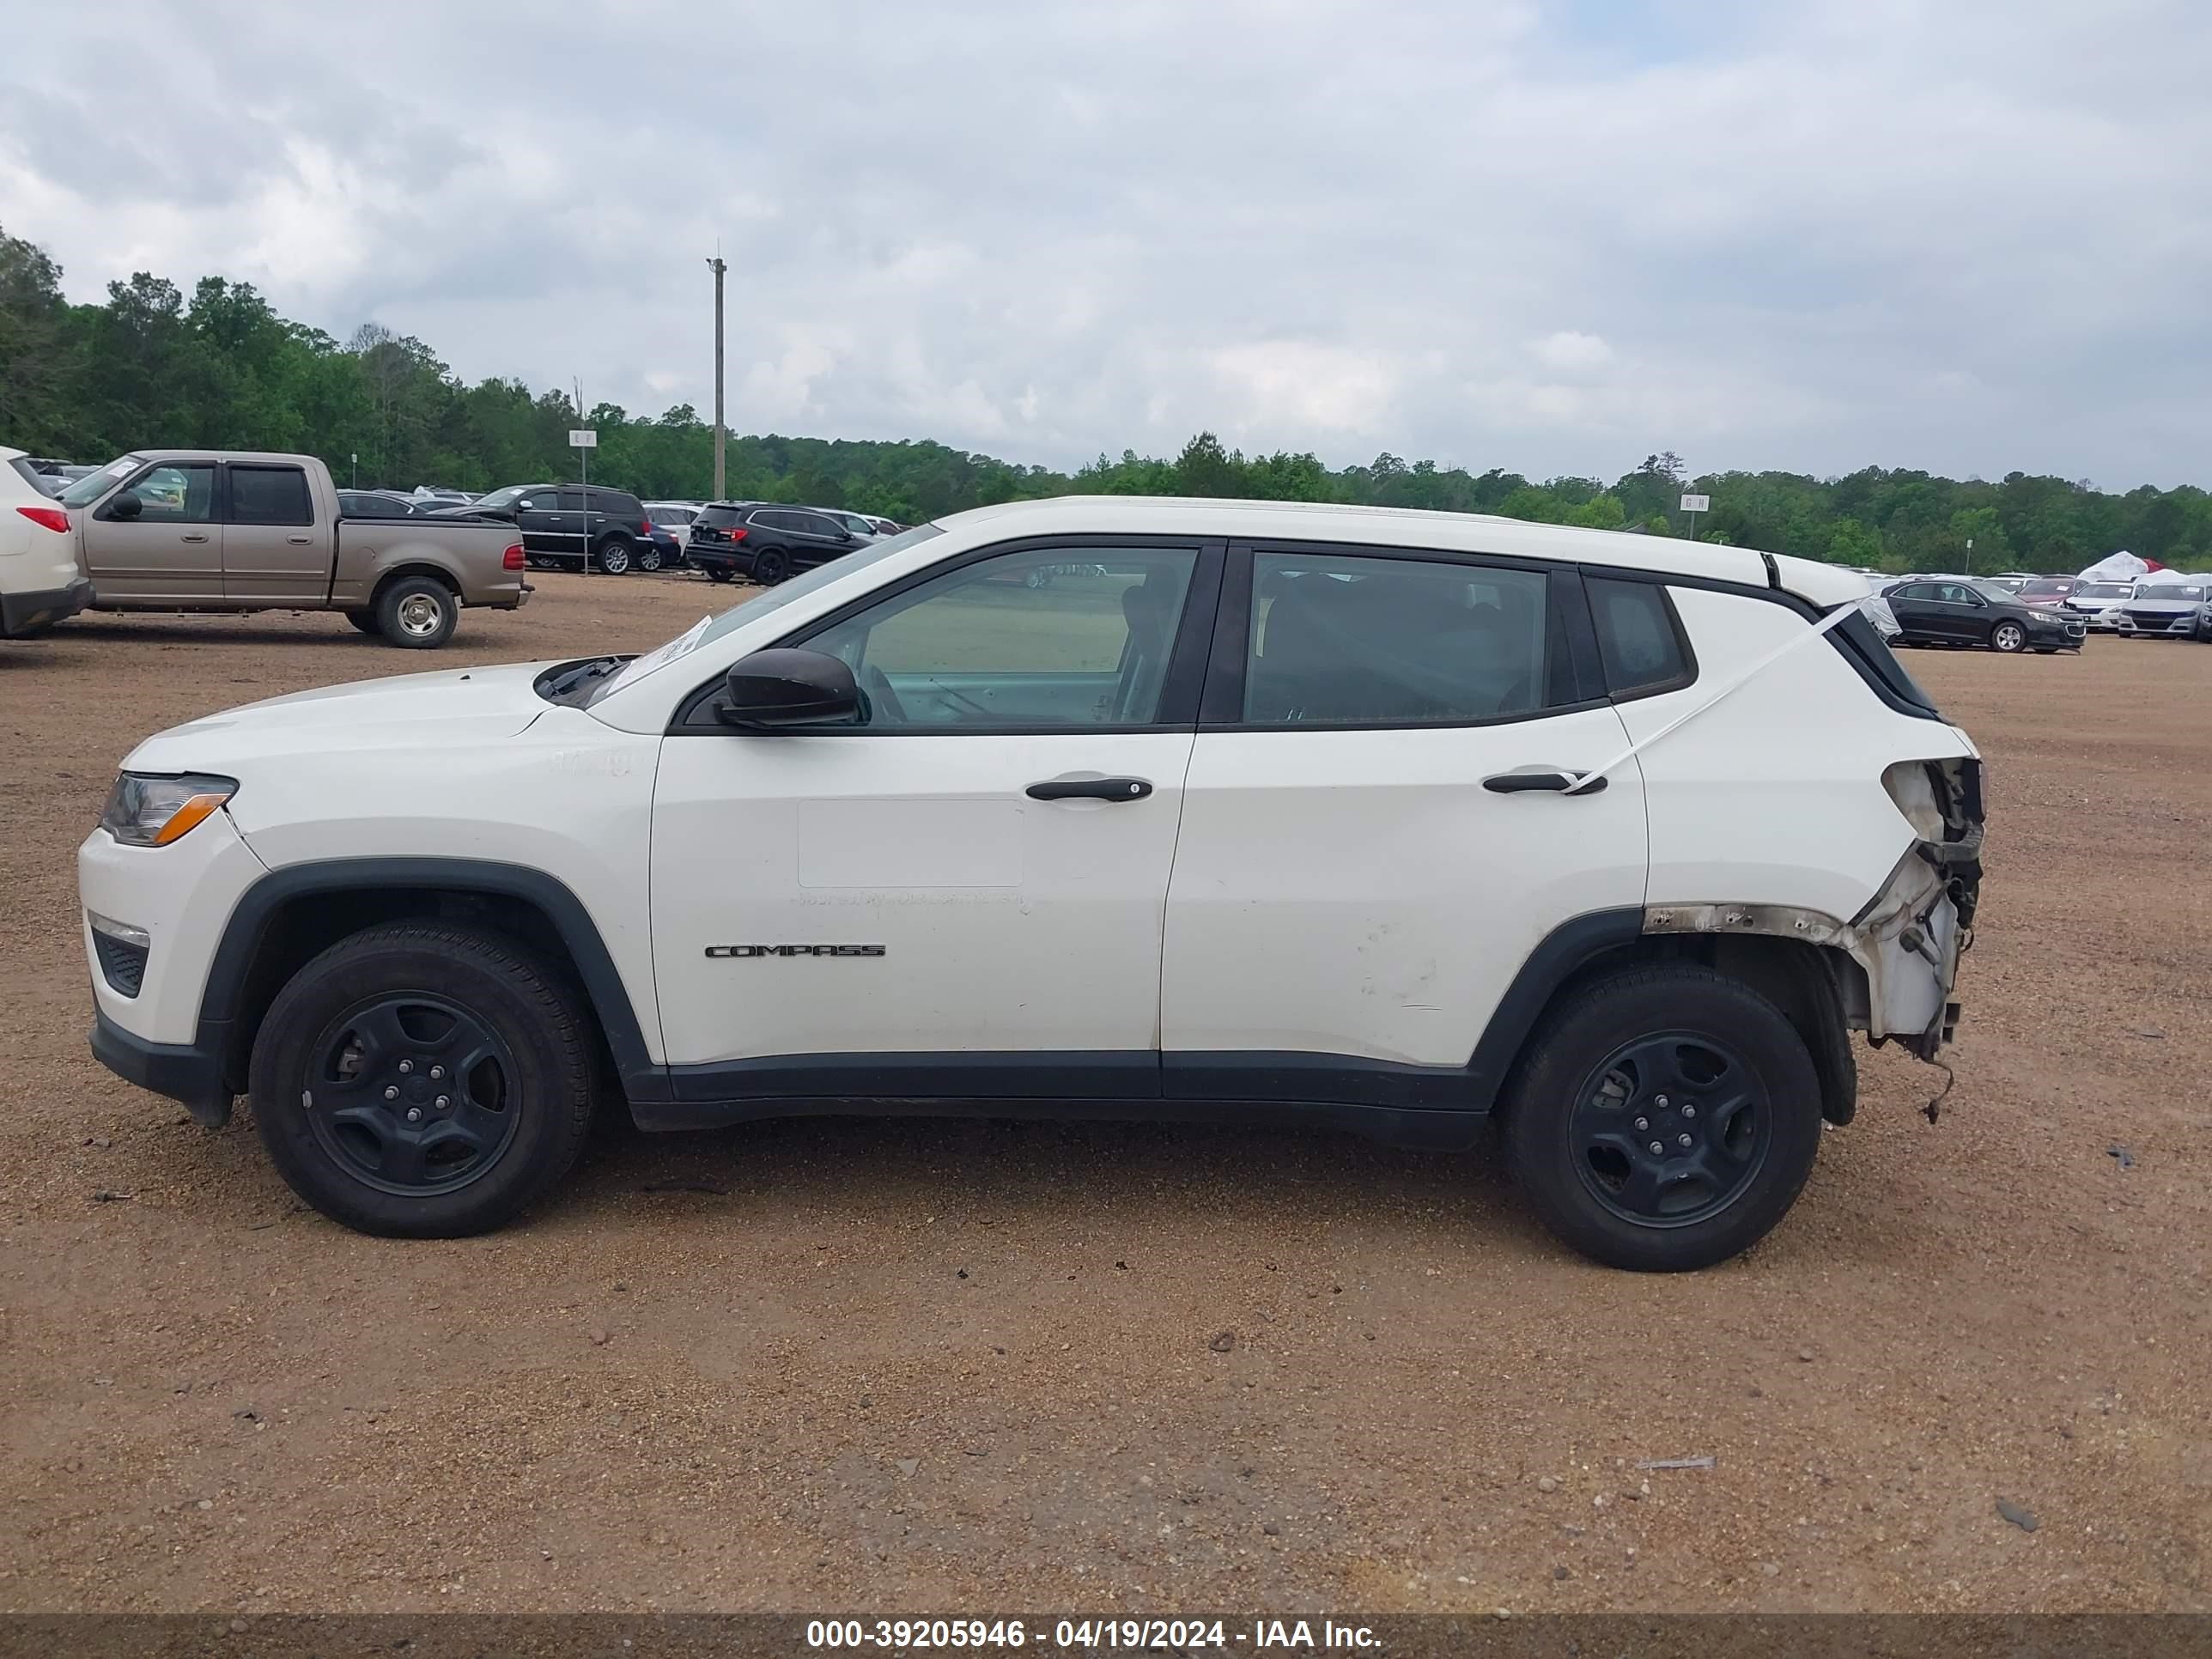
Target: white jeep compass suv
pixel 1396 822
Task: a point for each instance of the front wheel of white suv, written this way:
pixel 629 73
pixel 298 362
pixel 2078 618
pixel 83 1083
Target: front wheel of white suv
pixel 1664 1119
pixel 420 1080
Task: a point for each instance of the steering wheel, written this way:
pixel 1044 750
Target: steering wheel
pixel 881 698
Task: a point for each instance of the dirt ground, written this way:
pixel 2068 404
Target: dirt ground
pixel 885 1368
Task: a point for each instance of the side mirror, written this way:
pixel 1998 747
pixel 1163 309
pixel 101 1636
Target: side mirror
pixel 125 506
pixel 787 690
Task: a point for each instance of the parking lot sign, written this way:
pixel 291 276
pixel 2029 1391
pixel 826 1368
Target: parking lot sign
pixel 583 439
pixel 1697 503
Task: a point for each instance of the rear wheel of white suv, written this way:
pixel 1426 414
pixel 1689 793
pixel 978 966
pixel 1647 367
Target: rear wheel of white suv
pixel 1664 1119
pixel 419 1080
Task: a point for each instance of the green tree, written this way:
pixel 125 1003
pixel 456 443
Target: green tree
pixel 1980 526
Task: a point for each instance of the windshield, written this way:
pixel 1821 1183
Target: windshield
pixel 502 497
pixel 2058 585
pixel 2103 591
pixel 710 629
pixel 87 491
pixel 2181 592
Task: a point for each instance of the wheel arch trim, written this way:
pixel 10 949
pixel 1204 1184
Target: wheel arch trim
pixel 257 909
pixel 1568 949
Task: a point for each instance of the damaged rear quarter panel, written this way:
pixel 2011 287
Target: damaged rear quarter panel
pixel 1908 938
pixel 1769 815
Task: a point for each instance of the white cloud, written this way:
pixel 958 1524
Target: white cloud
pixel 1567 351
pixel 1296 387
pixel 1967 235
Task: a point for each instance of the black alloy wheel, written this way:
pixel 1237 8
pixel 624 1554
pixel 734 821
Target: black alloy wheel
pixel 1670 1129
pixel 416 1095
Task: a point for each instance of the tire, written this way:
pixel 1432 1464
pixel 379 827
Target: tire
pixel 417 613
pixel 716 573
pixel 2046 650
pixel 1592 1078
pixel 2008 637
pixel 514 1124
pixel 648 559
pixel 538 562
pixel 365 621
pixel 769 567
pixel 612 555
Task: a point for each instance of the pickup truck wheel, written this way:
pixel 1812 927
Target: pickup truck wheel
pixel 417 613
pixel 613 555
pixel 365 621
pixel 1664 1119
pixel 422 1081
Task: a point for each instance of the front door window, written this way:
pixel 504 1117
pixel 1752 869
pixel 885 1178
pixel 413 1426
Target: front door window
pixel 1047 638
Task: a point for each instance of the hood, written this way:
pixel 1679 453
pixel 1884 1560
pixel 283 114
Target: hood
pixel 445 709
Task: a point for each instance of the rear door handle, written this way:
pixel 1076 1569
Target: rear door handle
pixel 1091 789
pixel 1516 783
pixel 299 541
pixel 192 539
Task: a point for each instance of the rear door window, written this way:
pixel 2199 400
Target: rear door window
pixel 1344 640
pixel 269 494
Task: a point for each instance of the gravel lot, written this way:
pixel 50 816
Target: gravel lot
pixel 966 1367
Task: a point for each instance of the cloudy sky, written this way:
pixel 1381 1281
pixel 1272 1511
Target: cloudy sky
pixel 1970 236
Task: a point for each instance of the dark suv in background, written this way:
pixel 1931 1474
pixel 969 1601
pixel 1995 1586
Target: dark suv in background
pixel 560 522
pixel 761 541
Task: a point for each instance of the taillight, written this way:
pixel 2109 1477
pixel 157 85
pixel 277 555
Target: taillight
pixel 53 517
pixel 646 529
pixel 738 534
pixel 512 559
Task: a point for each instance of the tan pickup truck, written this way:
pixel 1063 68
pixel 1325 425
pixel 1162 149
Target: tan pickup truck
pixel 225 530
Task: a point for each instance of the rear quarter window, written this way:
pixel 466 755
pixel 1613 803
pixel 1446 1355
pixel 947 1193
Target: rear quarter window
pixel 1639 639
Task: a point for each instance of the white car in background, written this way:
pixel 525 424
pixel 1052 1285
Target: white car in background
pixel 2100 603
pixel 675 517
pixel 1883 618
pixel 41 581
pixel 860 524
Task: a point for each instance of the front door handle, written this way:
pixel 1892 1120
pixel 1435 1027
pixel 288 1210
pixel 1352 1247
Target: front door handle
pixel 1516 783
pixel 192 539
pixel 1091 789
pixel 299 541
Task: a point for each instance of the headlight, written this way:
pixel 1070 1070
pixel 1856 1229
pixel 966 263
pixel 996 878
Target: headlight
pixel 153 811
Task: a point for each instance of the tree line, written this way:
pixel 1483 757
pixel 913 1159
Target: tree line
pixel 217 367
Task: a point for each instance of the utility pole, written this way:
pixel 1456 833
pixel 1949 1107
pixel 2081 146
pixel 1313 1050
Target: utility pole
pixel 584 479
pixel 718 267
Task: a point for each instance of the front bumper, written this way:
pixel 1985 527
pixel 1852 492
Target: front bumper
pixel 181 896
pixel 188 1073
pixel 22 613
pixel 2182 627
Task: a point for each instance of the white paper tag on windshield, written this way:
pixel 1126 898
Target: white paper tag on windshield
pixel 681 646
